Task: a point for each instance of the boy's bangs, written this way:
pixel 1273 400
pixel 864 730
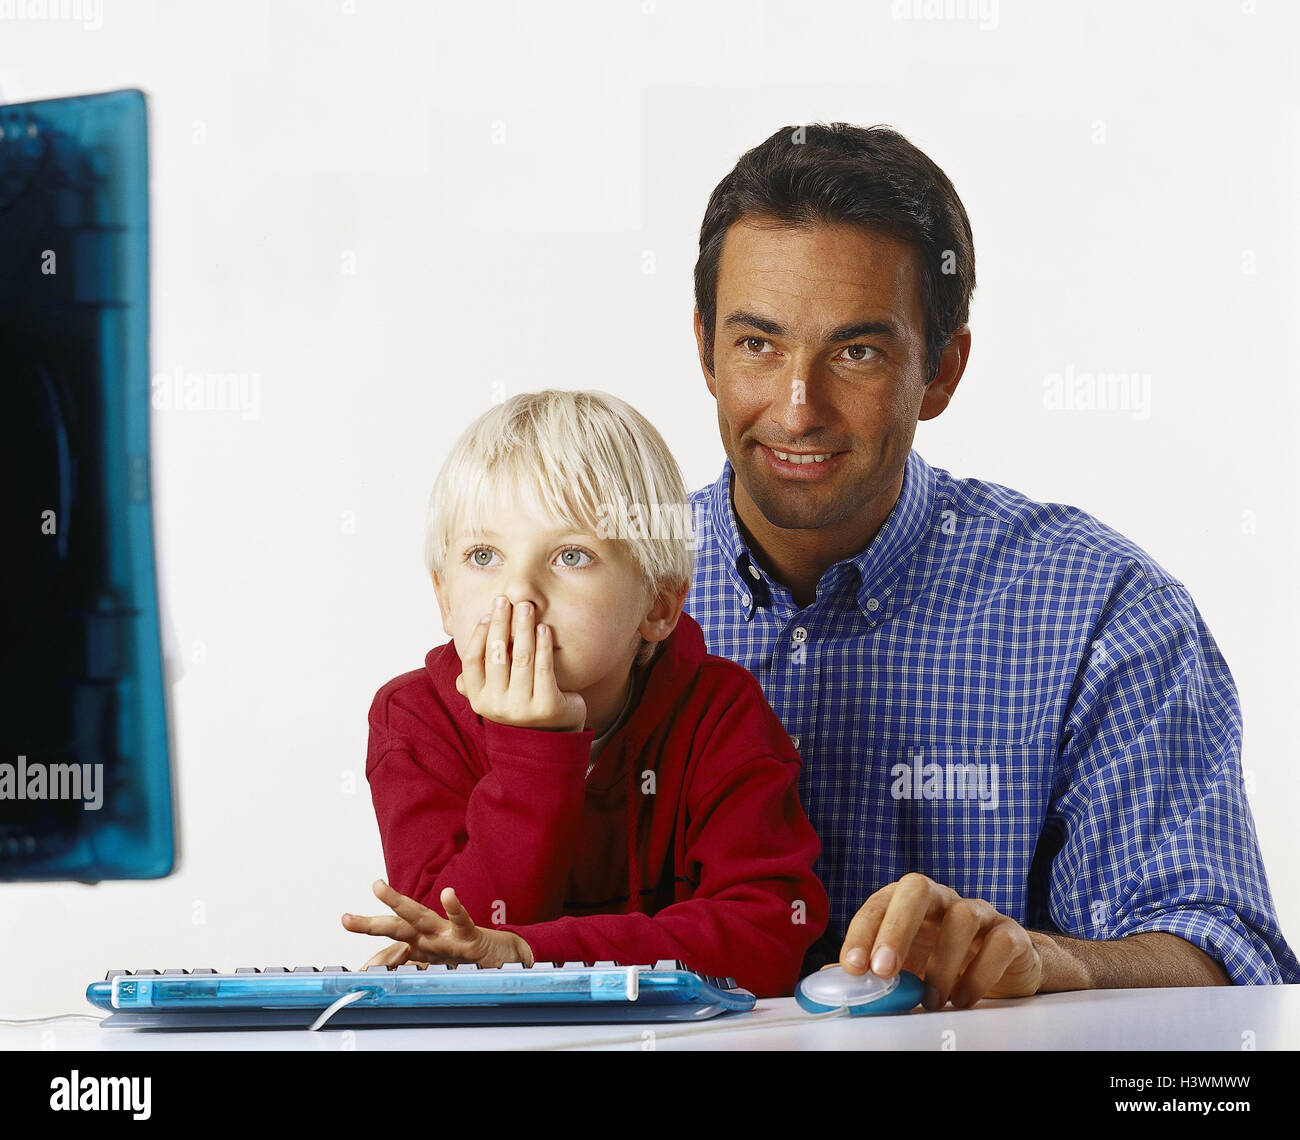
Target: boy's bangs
pixel 546 495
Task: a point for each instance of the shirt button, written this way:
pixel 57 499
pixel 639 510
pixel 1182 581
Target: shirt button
pixel 799 634
pixel 873 605
pixel 753 572
pixel 795 741
pixel 744 599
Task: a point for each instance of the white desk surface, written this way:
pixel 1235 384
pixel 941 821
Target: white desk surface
pixel 1208 1018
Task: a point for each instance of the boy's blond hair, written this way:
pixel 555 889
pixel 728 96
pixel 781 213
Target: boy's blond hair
pixel 586 459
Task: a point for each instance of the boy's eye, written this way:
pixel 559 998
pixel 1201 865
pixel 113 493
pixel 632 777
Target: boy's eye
pixel 570 556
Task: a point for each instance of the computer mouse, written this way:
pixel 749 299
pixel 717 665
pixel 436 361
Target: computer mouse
pixel 832 989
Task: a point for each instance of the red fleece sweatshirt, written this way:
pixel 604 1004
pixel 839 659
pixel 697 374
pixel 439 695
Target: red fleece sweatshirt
pixel 716 872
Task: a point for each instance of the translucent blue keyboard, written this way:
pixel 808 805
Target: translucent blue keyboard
pixel 311 997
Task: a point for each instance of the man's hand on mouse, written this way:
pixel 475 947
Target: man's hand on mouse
pixel 423 935
pixel 517 688
pixel 963 949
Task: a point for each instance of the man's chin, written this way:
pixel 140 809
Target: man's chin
pixel 797 506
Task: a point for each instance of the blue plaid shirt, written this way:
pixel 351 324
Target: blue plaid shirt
pixel 1015 700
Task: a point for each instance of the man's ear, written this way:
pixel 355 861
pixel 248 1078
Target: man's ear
pixel 709 378
pixel 665 610
pixel 952 364
pixel 438 589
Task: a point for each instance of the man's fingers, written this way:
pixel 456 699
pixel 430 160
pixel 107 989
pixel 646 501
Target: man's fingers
pixel 960 926
pixel 882 941
pixel 855 953
pixel 1002 946
pixel 914 899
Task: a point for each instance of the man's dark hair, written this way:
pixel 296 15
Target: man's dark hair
pixel 865 176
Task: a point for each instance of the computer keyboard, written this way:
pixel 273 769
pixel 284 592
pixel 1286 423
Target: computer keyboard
pixel 311 997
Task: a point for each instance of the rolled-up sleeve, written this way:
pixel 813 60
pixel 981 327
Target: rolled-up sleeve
pixel 1156 831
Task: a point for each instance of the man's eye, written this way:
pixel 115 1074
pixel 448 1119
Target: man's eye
pixel 570 556
pixel 754 340
pixel 861 348
pixel 480 556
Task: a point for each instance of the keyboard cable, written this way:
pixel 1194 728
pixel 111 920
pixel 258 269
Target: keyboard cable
pixel 345 1000
pixel 51 1017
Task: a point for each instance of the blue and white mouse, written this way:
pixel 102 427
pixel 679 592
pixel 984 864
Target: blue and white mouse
pixel 830 990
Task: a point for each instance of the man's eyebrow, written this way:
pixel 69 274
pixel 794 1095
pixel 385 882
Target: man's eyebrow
pixel 742 319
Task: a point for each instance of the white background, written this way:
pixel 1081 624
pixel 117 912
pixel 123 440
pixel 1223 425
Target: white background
pixel 500 177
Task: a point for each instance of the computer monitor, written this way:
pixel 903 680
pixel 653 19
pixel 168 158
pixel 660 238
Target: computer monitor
pixel 85 779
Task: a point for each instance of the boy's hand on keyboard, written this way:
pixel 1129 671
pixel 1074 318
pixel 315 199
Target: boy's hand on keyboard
pixel 517 687
pixel 423 935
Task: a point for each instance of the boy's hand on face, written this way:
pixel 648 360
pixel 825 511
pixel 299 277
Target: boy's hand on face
pixel 518 687
pixel 423 935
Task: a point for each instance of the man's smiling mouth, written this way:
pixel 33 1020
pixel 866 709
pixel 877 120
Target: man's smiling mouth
pixel 801 456
pixel 797 457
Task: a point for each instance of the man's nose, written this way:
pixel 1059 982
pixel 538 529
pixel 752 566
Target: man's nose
pixel 796 404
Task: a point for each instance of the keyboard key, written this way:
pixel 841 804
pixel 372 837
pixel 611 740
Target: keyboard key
pixel 306 970
pixel 247 970
pixel 203 971
pixel 330 970
pixel 167 972
pixel 275 969
pixel 116 974
pixel 145 974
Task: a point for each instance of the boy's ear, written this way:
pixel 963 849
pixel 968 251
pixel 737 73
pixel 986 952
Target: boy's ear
pixel 442 605
pixel 664 613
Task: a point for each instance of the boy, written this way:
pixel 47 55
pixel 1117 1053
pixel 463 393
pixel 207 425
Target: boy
pixel 574 777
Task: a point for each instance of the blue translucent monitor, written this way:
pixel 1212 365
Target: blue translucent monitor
pixel 85 783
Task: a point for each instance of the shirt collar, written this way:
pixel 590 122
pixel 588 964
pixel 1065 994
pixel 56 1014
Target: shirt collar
pixel 874 571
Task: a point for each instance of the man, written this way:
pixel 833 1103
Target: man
pixel 1021 744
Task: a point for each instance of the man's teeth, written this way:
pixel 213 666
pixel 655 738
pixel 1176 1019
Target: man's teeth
pixel 802 458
